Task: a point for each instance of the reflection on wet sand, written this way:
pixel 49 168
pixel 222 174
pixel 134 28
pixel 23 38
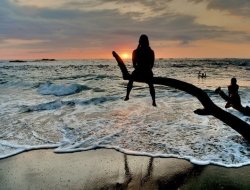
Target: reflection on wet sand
pixel 109 169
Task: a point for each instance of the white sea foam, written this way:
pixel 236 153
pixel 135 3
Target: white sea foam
pixel 43 116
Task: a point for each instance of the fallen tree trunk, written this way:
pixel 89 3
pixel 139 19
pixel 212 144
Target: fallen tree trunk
pixel 210 108
pixel 238 107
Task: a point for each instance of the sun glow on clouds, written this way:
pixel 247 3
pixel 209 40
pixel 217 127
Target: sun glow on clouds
pixel 93 28
pixel 209 17
pixel 38 3
pixel 17 42
pixel 137 10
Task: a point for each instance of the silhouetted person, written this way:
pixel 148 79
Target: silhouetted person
pixel 233 98
pixel 143 61
pixel 202 74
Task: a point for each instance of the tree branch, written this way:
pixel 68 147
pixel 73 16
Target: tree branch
pixel 210 108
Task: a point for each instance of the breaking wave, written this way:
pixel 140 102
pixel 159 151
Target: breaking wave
pixel 57 104
pixel 60 89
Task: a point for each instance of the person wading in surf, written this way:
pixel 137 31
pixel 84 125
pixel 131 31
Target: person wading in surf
pixel 143 61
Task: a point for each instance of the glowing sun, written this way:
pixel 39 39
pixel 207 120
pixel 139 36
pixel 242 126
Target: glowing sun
pixel 125 56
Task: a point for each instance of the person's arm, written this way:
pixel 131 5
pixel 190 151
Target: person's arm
pixel 229 90
pixel 152 60
pixel 134 59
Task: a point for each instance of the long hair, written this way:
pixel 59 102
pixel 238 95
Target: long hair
pixel 233 81
pixel 143 41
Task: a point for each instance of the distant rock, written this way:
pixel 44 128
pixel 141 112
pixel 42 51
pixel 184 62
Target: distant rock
pixel 17 61
pixel 38 60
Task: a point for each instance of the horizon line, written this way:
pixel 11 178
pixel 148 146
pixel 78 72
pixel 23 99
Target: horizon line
pixel 158 58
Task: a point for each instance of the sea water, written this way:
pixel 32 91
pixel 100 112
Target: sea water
pixel 78 105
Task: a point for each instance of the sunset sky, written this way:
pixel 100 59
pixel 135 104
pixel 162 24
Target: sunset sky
pixel 79 29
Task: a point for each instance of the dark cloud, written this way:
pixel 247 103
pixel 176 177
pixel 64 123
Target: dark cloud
pixel 239 7
pixel 64 28
pixel 235 7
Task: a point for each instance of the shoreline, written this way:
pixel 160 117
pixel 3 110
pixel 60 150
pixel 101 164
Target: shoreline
pixel 192 160
pixel 110 169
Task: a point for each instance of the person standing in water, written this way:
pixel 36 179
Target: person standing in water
pixel 143 61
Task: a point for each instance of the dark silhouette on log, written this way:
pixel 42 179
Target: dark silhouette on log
pixel 210 108
pixel 238 106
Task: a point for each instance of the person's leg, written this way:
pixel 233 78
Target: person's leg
pixel 129 88
pixel 236 102
pixel 152 92
pixel 222 94
pixel 226 98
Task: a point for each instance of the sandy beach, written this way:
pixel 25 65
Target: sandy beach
pixel 110 169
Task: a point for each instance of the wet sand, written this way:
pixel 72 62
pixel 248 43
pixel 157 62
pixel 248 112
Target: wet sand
pixel 109 169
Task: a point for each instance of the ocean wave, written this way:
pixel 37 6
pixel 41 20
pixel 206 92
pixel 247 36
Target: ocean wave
pixel 57 104
pixel 17 149
pixel 44 106
pixel 91 144
pixel 60 89
pixel 244 63
pixel 3 81
pixel 99 118
pixel 99 100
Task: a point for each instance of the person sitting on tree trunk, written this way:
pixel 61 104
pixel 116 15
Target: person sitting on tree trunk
pixel 143 61
pixel 233 97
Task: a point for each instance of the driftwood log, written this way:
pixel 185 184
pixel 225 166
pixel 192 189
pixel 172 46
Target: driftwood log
pixel 238 107
pixel 209 108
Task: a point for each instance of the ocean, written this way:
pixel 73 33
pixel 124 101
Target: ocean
pixel 77 105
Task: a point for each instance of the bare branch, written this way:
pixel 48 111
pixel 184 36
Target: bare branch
pixel 210 108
